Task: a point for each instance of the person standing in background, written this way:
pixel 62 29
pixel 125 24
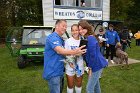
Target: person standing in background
pixel 102 40
pixel 130 38
pixel 137 37
pixel 130 34
pixel 125 38
pixel 112 38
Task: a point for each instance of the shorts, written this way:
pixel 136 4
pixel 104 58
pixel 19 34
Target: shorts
pixel 72 72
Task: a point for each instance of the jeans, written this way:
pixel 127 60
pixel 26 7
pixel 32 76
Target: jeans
pixel 102 50
pixel 93 85
pixel 124 47
pixel 111 49
pixel 56 84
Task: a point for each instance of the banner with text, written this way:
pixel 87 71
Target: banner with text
pixel 77 14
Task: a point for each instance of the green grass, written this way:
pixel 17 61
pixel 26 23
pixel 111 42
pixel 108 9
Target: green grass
pixel 134 52
pixel 29 80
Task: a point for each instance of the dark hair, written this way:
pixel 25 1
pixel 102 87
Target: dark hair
pixel 111 25
pixel 74 25
pixel 59 21
pixel 85 25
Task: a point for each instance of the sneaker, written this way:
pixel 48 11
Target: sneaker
pixel 112 61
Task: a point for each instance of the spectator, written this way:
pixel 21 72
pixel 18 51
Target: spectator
pixel 112 38
pixel 102 40
pixel 54 56
pixel 125 38
pixel 130 34
pixel 137 37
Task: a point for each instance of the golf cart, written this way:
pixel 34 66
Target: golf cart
pixel 27 43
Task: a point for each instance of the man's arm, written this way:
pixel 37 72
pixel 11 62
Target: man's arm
pixel 63 51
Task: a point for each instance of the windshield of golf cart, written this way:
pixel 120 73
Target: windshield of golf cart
pixel 35 36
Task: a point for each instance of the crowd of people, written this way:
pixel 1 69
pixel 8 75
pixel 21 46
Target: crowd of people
pixel 58 51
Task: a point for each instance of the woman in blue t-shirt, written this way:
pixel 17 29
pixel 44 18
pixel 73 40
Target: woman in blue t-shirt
pixel 95 60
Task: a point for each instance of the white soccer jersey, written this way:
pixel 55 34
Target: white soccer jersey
pixel 72 43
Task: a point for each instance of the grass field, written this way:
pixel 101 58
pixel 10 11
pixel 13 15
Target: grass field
pixel 134 52
pixel 29 80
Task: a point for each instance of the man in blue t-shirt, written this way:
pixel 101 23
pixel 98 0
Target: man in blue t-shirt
pixel 112 38
pixel 54 56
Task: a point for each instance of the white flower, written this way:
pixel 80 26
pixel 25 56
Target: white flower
pixel 70 59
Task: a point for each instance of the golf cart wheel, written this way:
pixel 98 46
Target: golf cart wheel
pixel 21 62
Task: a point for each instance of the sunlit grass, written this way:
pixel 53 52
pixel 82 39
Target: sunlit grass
pixel 134 51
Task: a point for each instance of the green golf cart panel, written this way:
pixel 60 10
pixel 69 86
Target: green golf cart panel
pixel 26 36
pixel 30 45
pixel 33 52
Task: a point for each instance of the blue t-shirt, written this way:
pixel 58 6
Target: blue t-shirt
pixel 94 58
pixel 53 62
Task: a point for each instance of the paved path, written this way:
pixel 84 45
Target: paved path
pixel 130 61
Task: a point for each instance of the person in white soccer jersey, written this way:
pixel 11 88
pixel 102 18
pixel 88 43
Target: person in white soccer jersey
pixel 74 69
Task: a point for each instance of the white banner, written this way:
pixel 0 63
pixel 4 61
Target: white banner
pixel 77 14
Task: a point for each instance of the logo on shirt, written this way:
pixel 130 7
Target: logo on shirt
pixel 56 42
pixel 113 34
pixel 73 47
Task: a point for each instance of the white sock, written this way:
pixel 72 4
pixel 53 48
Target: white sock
pixel 78 89
pixel 69 90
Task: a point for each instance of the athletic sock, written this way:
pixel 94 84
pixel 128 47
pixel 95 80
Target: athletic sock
pixel 69 90
pixel 78 89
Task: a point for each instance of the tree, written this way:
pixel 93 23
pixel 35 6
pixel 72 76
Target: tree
pixel 29 12
pixel 133 19
pixel 119 9
pixel 19 13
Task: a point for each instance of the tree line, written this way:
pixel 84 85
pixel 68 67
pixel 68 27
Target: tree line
pixel 29 12
pixel 127 11
pixel 19 13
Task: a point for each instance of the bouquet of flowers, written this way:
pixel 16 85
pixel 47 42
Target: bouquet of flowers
pixel 73 59
pixel 70 59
